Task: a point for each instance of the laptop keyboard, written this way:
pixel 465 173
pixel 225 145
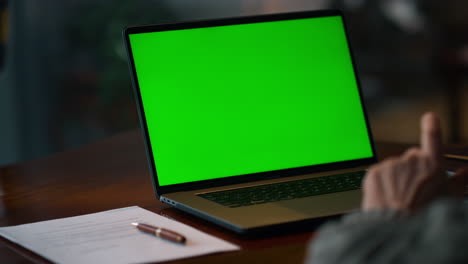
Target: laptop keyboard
pixel 286 190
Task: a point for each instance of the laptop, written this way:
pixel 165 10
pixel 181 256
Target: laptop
pixel 252 122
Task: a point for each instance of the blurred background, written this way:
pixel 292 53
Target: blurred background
pixel 64 80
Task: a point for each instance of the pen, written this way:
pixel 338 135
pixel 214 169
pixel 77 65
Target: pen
pixel 161 232
pixel 458 157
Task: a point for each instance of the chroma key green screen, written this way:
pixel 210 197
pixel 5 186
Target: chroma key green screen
pixel 238 99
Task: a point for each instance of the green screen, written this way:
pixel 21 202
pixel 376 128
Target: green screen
pixel 239 99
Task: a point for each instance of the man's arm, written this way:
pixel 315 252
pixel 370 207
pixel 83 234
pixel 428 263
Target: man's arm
pixel 437 234
pixel 394 224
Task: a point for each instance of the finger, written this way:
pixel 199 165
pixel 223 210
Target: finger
pixel 420 178
pixel 390 175
pixel 431 138
pixel 372 191
pixel 410 173
pixel 411 152
pixel 428 186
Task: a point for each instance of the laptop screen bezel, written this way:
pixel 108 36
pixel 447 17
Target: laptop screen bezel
pixel 189 186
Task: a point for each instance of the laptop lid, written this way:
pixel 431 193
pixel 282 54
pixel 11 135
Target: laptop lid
pixel 244 99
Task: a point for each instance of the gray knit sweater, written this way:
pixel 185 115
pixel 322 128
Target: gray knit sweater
pixel 439 234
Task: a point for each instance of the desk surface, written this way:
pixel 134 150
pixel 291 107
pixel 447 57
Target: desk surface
pixel 113 173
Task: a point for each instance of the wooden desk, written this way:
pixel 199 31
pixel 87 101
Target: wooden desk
pixel 111 174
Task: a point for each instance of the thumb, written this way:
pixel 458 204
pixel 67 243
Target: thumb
pixel 458 183
pixel 431 139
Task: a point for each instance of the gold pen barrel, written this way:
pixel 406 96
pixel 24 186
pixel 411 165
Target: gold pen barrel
pixel 161 232
pixel 170 235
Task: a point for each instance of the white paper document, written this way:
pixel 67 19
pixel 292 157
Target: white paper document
pixel 109 237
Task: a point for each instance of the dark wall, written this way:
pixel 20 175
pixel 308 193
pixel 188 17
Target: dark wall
pixel 65 81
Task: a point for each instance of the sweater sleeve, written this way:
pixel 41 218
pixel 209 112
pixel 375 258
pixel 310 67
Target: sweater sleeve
pixel 438 234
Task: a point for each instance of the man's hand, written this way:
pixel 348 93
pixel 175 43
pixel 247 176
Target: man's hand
pixel 414 179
